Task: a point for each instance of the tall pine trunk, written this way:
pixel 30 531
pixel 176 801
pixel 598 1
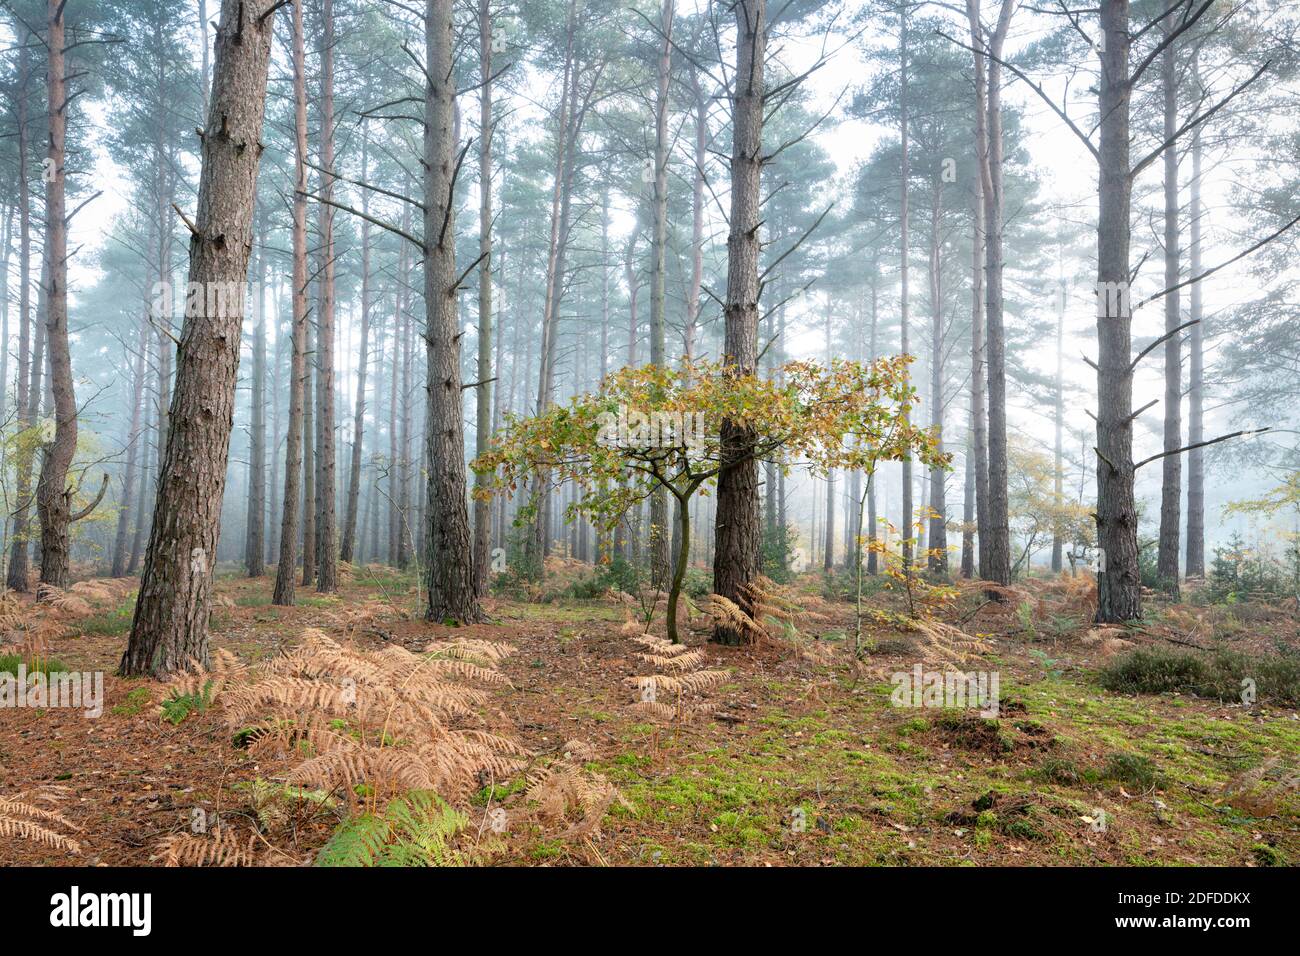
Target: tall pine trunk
pixel 904 344
pixel 169 631
pixel 1171 485
pixel 255 537
pixel 483 391
pixel 121 554
pixel 659 530
pixel 737 555
pixel 938 539
pixel 997 552
pixel 348 548
pixel 53 494
pixel 1195 562
pixel 1119 591
pixel 286 571
pixel 327 573
pixel 16 578
pixel 453 593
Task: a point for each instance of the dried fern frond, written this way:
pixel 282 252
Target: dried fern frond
pixel 693 683
pixel 470 650
pixel 563 790
pixel 578 750
pixel 22 819
pixel 383 722
pixel 93 590
pixel 660 645
pixel 221 847
pixel 679 663
pixel 67 602
pixel 948 643
pixel 728 613
pixel 226 670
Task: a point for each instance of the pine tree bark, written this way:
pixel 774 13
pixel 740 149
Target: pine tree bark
pixel 659 528
pixel 1058 451
pixel 327 574
pixel 121 555
pixel 483 391
pixel 737 555
pixel 1195 560
pixel 347 547
pixel 538 545
pixel 905 174
pixel 937 559
pixel 453 593
pixel 255 535
pixel 53 494
pixel 286 571
pixel 1119 591
pixel 997 568
pixel 1171 486
pixel 16 578
pixel 310 514
pixel 873 559
pixel 169 629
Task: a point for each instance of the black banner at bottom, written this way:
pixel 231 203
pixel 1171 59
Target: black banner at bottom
pixel 138 908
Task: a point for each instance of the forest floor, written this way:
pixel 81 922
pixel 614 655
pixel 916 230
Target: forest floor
pixel 1068 773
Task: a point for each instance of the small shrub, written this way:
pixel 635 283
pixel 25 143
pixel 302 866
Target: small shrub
pixel 1136 771
pixel 1154 671
pixel 1059 770
pixel 1220 676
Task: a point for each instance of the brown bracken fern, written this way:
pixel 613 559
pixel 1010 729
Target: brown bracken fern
pixel 22 818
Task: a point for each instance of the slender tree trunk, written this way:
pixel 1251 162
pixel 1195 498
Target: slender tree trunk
pixel 6 252
pixel 1195 562
pixel 395 557
pixel 327 576
pixel 938 543
pixel 873 563
pixel 697 214
pixel 998 545
pixel 453 592
pixel 287 568
pixel 147 472
pixel 169 629
pixel 124 514
pixel 904 344
pixel 737 556
pixel 659 530
pixel 1171 486
pixel 347 547
pixel 1119 591
pixel 483 391
pixel 538 543
pixel 404 537
pixel 26 400
pixel 1058 468
pixel 968 507
pixel 273 524
pixel 309 466
pixel 255 538
pixel 53 494
pixel 828 557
